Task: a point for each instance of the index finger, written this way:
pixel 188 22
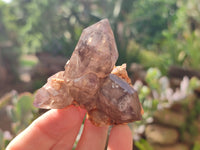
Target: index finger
pixel 54 129
pixel 120 138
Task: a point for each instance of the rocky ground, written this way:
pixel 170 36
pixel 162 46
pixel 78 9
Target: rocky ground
pixel 172 127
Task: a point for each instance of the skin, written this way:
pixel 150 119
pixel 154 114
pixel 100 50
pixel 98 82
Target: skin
pixel 57 130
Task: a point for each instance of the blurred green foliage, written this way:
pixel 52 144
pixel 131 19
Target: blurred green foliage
pixel 143 145
pixel 196 146
pixel 9 48
pixel 155 33
pixel 183 35
pixel 21 112
pixel 27 62
pixel 152 78
pixel 157 94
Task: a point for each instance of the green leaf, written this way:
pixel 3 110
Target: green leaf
pixel 194 83
pixel 23 112
pixel 196 146
pixel 143 145
pixel 152 76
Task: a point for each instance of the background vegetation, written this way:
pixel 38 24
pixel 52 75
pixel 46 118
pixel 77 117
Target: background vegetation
pixel 153 33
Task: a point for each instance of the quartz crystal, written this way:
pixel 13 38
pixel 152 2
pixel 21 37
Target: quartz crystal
pixel 92 81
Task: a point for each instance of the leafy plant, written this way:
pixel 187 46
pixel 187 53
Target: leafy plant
pixel 143 145
pixel 21 112
pixel 196 146
pixel 158 94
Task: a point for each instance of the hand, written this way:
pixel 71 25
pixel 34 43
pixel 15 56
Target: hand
pixel 58 129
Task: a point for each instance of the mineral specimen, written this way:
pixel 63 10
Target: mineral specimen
pixel 88 81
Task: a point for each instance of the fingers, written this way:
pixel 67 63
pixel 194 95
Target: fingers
pixel 120 138
pixel 56 129
pixel 92 138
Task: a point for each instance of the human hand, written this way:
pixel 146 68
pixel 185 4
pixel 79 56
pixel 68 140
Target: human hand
pixel 58 129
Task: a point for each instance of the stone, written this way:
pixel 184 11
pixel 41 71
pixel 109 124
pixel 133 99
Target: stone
pixel 92 81
pixel 54 94
pixel 178 146
pixel 157 134
pixel 169 117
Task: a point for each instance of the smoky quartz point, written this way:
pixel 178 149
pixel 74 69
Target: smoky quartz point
pixel 88 81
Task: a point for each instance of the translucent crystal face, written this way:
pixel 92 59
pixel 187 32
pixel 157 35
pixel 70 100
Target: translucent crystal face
pixel 88 81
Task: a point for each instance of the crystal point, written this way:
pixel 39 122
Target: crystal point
pixel 87 81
